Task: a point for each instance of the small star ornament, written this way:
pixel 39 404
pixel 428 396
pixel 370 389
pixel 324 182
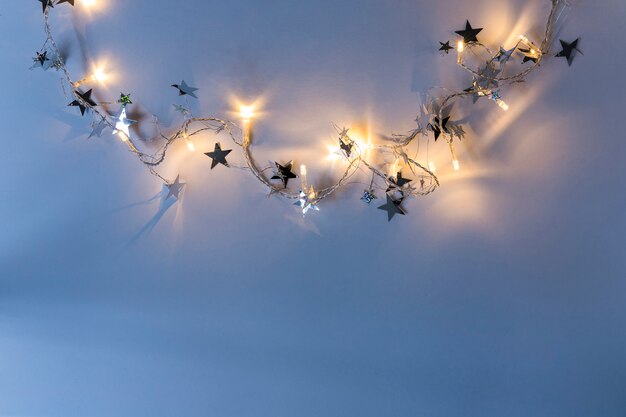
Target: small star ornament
pixel 392 207
pixel 445 47
pixel 569 50
pixel 123 124
pixel 504 55
pixel 83 99
pixel 284 173
pixel 438 128
pixel 184 89
pixel 469 34
pixel 174 189
pixel 66 1
pixel 369 196
pixel 42 57
pixel 124 99
pixel 218 156
pixel 307 201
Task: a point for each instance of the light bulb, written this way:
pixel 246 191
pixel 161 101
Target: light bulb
pixel 246 112
pixel 89 3
pixel 99 75
pixel 303 170
pixel 432 167
pixel 456 165
pixel 122 136
pixel 460 46
pixel 190 146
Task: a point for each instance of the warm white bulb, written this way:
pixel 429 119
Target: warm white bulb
pixel 246 112
pixel 122 136
pixel 303 170
pixel 503 105
pixel 460 46
pixel 456 165
pixel 432 167
pixel 99 75
pixel 89 3
pixel 191 146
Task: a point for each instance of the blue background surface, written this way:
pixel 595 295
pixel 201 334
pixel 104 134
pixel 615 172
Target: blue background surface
pixel 501 294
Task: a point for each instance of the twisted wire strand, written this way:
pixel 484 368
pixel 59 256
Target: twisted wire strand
pixel 397 147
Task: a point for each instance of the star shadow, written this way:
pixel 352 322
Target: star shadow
pixel 164 205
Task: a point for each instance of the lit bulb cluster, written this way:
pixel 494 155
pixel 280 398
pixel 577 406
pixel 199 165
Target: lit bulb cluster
pixel 487 82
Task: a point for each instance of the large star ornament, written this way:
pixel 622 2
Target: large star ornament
pixel 469 34
pixel 218 156
pixel 392 207
pixel 184 89
pixel 123 124
pixel 83 99
pixel 284 173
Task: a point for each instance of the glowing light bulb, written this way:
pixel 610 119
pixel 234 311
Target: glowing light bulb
pixel 303 170
pixel 432 167
pixel 190 146
pixel 460 46
pixel 122 136
pixel 246 112
pixel 503 105
pixel 99 75
pixel 89 3
pixel 456 165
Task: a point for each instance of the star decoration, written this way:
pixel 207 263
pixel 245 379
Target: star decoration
pixel 569 50
pixel 66 1
pixel 83 100
pixel 438 128
pixel 504 55
pixel 445 47
pixel 97 129
pixel 124 99
pixel 488 77
pixel 346 146
pixel 307 201
pixel 398 182
pixel 284 173
pixel 184 89
pixel 123 124
pixel 41 58
pixel 392 207
pixel 369 196
pixel 45 4
pixel 174 189
pixel 530 55
pixel 469 34
pixel 218 156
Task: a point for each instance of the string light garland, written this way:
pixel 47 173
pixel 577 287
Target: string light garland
pixel 434 118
